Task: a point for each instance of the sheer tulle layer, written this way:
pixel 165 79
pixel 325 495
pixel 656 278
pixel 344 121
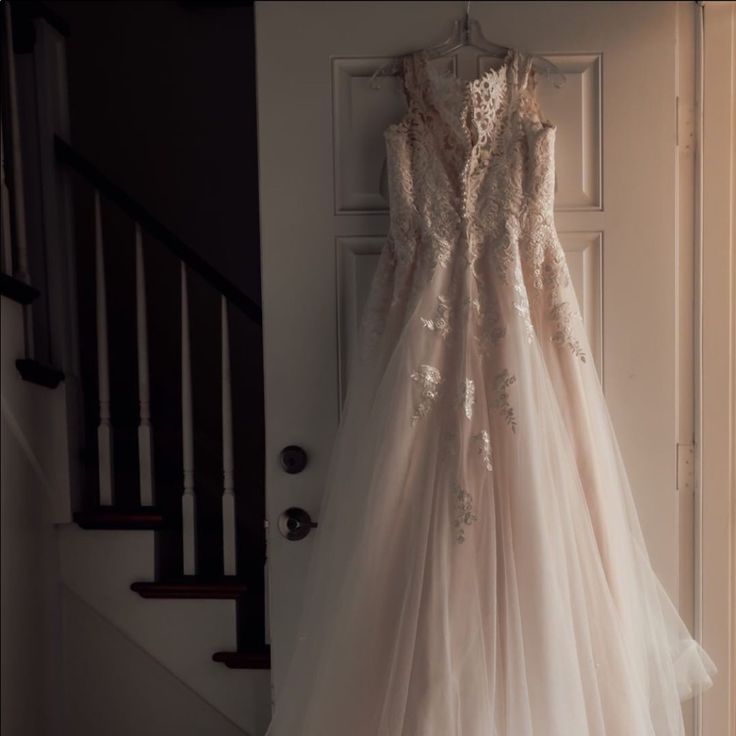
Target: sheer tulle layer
pixel 548 618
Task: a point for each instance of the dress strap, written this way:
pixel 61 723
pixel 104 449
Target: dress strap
pixel 413 76
pixel 522 71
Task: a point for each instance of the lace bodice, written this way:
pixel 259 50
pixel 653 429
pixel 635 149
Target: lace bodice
pixel 470 162
pixel 470 170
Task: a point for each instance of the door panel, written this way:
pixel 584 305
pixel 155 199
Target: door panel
pixel 323 220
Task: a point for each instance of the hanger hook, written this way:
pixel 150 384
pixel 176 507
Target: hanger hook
pixel 466 22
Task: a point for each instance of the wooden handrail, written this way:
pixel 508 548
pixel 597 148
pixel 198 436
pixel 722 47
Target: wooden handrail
pixel 138 213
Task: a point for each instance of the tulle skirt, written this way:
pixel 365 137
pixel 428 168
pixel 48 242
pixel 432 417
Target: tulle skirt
pixel 479 568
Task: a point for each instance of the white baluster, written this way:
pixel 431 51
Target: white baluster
pixel 104 428
pixel 145 452
pixel 17 191
pixel 228 469
pixel 188 500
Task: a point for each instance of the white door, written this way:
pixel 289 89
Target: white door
pixel 620 178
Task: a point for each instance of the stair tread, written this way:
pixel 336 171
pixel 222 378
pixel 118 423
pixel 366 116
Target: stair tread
pixel 115 518
pixel 256 659
pixel 191 588
pixel 39 373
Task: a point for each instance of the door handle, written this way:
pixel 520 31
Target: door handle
pixel 295 524
pixel 293 459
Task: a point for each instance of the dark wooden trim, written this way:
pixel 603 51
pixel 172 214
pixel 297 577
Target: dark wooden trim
pixel 151 225
pixel 38 373
pixel 255 660
pixel 210 4
pixel 112 518
pixel 17 290
pixel 191 588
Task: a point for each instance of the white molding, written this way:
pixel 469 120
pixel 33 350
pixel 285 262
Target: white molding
pixel 351 253
pixel 52 106
pixel 684 151
pixel 716 386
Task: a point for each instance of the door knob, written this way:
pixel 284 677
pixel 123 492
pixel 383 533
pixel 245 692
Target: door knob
pixel 295 524
pixel 293 459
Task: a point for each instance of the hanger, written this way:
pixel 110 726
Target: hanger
pixel 466 31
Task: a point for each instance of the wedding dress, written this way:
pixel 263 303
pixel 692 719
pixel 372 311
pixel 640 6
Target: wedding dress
pixel 479 567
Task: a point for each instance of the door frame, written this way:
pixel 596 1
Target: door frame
pixel 715 358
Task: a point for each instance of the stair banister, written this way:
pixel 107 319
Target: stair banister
pixel 145 226
pixel 153 227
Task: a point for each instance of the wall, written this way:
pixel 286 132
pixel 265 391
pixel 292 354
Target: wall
pixel 162 100
pixel 33 479
pixel 139 655
pixel 716 481
pixel 135 696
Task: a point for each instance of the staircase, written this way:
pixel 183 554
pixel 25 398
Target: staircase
pixel 160 368
pixel 125 489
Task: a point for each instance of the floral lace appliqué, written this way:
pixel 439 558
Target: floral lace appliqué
pixel 501 401
pixel 429 378
pixel 563 313
pixel 521 303
pixel 440 323
pixel 484 448
pixel 464 514
pixel 467 397
pixel 490 327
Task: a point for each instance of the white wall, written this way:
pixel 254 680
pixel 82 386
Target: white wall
pixel 33 475
pixel 115 641
pixel 113 686
pixel 717 431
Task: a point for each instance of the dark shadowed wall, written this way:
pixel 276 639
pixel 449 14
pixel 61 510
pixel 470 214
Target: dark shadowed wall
pixel 163 102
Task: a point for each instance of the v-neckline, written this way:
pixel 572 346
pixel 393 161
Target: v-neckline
pixel 470 97
pixel 464 86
